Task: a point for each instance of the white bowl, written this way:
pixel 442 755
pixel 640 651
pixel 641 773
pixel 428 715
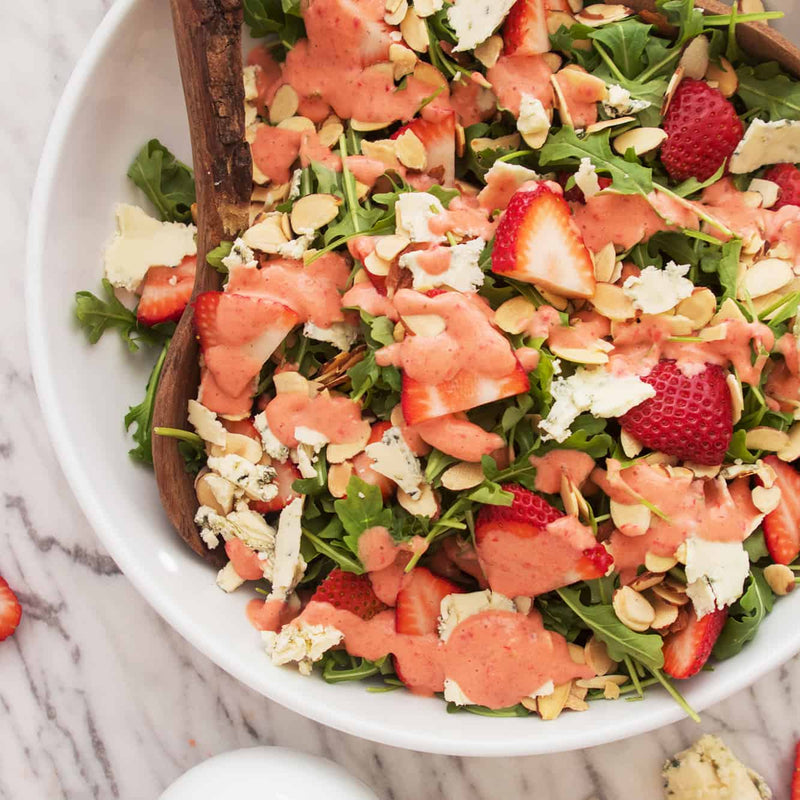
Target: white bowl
pixel 125 90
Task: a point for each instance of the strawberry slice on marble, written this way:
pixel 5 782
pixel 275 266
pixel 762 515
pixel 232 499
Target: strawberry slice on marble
pixel 238 334
pixel 439 139
pixel 539 242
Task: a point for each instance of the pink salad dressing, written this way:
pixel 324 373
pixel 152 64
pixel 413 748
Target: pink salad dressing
pixel 366 296
pixel 219 401
pixel 274 152
pixel 435 260
pixel 312 291
pixel 268 615
pixel 469 341
pixel 513 75
pixel 385 560
pixel 335 416
pixel 550 468
pixel 518 563
pixel 456 436
pixel 528 357
pixel 464 216
pixel 581 93
pixel 471 102
pixel 585 328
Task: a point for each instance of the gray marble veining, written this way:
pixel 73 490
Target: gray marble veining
pixel 99 698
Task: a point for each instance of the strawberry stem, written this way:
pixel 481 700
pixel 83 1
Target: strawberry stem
pixel 675 694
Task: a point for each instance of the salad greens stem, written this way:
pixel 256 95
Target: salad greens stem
pixel 633 672
pixel 609 63
pixel 516 154
pixel 675 694
pixel 353 564
pixel 700 213
pixel 349 184
pixel 722 20
pixel 657 67
pixel 655 510
pixel 177 433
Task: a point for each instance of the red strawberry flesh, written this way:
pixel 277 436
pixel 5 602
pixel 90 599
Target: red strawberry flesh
pixel 166 292
pixel 687 650
pixel 419 602
pixel 782 526
pixel 787 176
pixel 349 592
pixel 10 610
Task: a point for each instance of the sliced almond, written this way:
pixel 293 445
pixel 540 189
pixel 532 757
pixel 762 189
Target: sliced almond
pixel 338 477
pixel 561 103
pixel 597 15
pixel 666 614
pixel 208 495
pixel 367 127
pixel 554 60
pixel 597 657
pixel 737 397
pixel 389 247
pixel 461 144
pixel 314 211
pixel 415 31
pixel 382 150
pixel 791 452
pixel 580 355
pixel 694 59
pixel 267 234
pixel 361 276
pixel 550 706
pixel 656 563
pixel 767 189
pixel 605 260
pixel 703 470
pixel 612 302
pixel 410 151
pixel 576 653
pixel 427 73
pixel 601 680
pixel 284 104
pixel 680 325
pixel 297 124
pixel 329 133
pixel 426 505
pixel 286 226
pixel 605 124
pixel 766 500
pixel 646 580
pixel 765 276
pixel 764 438
pixel 640 140
pixel 699 307
pixel 426 8
pixel 399 332
pixel 337 453
pixel 514 315
pixel 488 52
pixel 632 609
pixel 290 382
pixel 672 87
pixel 509 142
pixel 716 333
pixel 376 265
pixel 780 579
pixel 462 476
pixel 724 75
pixel 670 593
pixel 396 11
pixel 631 446
pixel 631 520
pixel 237 444
pixel 404 59
pixel 728 310
pixel 424 324
pixel 611 691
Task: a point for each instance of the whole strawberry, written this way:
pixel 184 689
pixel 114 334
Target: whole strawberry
pixel 787 176
pixel 690 417
pixel 702 129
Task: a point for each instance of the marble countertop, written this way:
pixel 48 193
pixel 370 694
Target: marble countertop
pixel 99 698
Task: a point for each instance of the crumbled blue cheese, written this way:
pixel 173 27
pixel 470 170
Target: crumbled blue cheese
pixel 294 184
pixel 273 446
pixel 596 391
pixel 533 121
pixel 413 212
pixel 205 422
pixel 393 458
pixel 213 526
pixel 766 143
pixel 474 21
pixel 310 437
pixel 141 241
pixel 657 290
pixel 586 178
pixel 246 525
pixel 464 273
pixel 288 566
pixel 619 102
pixel 708 770
pixel 455 608
pixel 240 256
pixel 257 481
pixel 715 573
pixel 300 643
pixel 223 490
pixel 453 693
pixel 303 458
pixel 342 335
pixel 228 579
pixel 295 248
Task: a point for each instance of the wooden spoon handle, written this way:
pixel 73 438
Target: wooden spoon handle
pixel 208 38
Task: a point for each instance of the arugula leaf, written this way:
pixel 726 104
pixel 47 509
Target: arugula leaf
pixel 745 616
pixel 167 182
pixel 190 446
pixel 756 546
pixel 619 640
pixel 559 617
pixel 724 262
pixel 335 551
pixel 378 386
pixel 737 449
pixel 626 40
pixel 564 146
pixel 215 256
pixel 769 91
pixel 141 416
pixel 692 185
pixel 597 445
pixel 316 485
pixel 96 316
pixel 361 509
pixel 492 494
pixel 281 18
pixel 684 16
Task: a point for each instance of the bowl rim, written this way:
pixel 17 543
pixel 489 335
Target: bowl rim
pixel 103 525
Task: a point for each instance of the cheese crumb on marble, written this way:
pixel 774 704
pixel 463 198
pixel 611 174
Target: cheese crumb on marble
pixel 464 273
pixel 715 573
pixel 657 290
pixel 301 643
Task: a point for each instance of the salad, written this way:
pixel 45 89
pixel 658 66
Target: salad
pixel 499 400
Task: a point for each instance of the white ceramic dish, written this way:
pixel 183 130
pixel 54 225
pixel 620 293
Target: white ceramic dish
pixel 126 89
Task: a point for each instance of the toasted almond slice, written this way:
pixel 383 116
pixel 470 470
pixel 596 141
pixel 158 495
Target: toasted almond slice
pixel 767 275
pixel 237 444
pixel 361 276
pixel 597 15
pixel 337 453
pixel 611 691
pixel 314 211
pixel 329 133
pixel 610 301
pixel 699 307
pixel 646 580
pixel 670 594
pixel 605 260
pixel 555 300
pixel 658 459
pixel 656 563
pixel 764 438
pixel 576 703
pixel 737 398
pixel 605 124
pixel 389 247
pixel 640 140
pixel 580 355
pixel 415 31
pixel 399 332
pixel 767 189
pixel 461 143
pixel 266 235
pixel 766 500
pixel 410 151
pixel 632 609
pixel 404 60
pixel 554 60
pixel 780 579
pixel 290 383
pixel 382 150
pixel 561 103
pixel 462 476
pixel 426 505
pixel 703 470
pixel 694 59
pixel 597 657
pixel 550 706
pixel 666 614
pixel 284 104
pixel 366 127
pixel 297 124
pixel 338 477
pixel 424 324
pixel 725 76
pixel 791 452
pixel 601 680
pixel 568 496
pixel 680 325
pixel 631 446
pixel 728 310
pixel 396 11
pixel 488 52
pixel 509 142
pixel 631 520
pixel 426 8
pixel 286 226
pixel 207 496
pixel 715 333
pixel 427 73
pixel 672 87
pixel 377 265
pixel 576 653
pixel 513 315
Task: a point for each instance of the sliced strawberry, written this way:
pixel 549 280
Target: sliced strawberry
pixel 245 560
pixel 439 139
pixel 575 195
pixel 420 600
pixel 166 291
pixel 423 401
pixel 782 526
pixel 787 176
pixel 287 475
pixel 687 650
pixel 525 31
pixel 796 775
pixel 349 592
pixel 238 334
pixel 690 416
pixel 244 427
pixel 531 547
pixel 10 610
pixel 538 242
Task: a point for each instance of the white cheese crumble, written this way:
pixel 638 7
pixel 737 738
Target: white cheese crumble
pixel 205 422
pixel 474 21
pixel 301 643
pixel 228 579
pixel 304 458
pixel 257 481
pixel 296 248
pixel 288 565
pixel 273 446
pixel 715 573
pixel 596 391
pixel 294 184
pixel 308 436
pixel 141 242
pixel 240 256
pixel 464 273
pixel 454 694
pixel 246 525
pixel 393 458
pixel 455 608
pixel 586 178
pixel 619 102
pixel 657 290
pixel 223 490
pixel 342 335
pixel 766 143
pixel 414 210
pixel 533 121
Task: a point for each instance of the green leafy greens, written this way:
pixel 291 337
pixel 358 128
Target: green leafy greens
pixel 167 182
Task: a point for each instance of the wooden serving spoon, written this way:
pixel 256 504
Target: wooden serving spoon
pixel 208 35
